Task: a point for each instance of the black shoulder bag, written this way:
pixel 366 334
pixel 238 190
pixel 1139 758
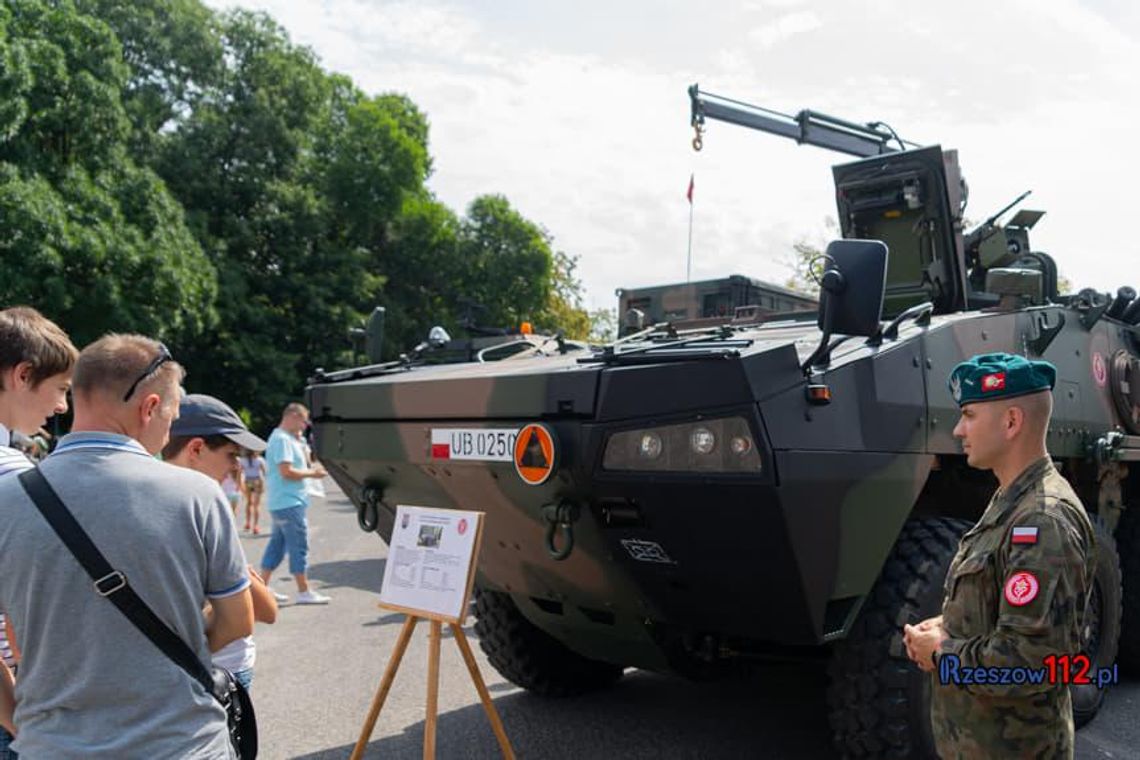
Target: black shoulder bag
pixel 113 585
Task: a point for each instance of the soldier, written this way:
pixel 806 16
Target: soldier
pixel 1018 587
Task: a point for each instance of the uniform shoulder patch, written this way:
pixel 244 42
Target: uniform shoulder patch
pixel 1024 534
pixel 1021 588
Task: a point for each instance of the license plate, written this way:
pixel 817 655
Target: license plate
pixel 474 444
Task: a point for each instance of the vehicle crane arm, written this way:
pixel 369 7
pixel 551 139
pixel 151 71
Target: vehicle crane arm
pixel 809 127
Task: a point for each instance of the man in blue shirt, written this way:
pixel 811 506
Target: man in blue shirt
pixel 288 502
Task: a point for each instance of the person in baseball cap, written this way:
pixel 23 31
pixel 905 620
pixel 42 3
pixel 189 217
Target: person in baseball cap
pixel 208 436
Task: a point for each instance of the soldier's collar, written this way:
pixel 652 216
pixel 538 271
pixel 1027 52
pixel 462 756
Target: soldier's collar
pixel 1026 479
pixel 1004 499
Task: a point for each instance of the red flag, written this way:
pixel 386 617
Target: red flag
pixel 689 194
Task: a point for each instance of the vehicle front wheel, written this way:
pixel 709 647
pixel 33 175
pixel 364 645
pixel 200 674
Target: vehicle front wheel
pixel 1100 636
pixel 878 701
pixel 529 657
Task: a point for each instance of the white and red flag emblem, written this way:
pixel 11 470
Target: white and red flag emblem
pixel 1021 588
pixel 994 382
pixel 1024 535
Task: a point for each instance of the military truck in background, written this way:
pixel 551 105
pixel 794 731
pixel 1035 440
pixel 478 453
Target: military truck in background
pixel 787 486
pixel 707 302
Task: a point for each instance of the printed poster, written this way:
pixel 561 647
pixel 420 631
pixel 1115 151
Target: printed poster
pixel 431 561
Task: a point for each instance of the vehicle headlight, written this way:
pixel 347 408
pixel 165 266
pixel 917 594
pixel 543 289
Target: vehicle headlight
pixel 723 445
pixel 702 440
pixel 650 446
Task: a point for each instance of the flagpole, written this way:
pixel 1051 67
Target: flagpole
pixel 689 256
pixel 689 261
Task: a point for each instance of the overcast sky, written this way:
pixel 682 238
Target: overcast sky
pixel 578 113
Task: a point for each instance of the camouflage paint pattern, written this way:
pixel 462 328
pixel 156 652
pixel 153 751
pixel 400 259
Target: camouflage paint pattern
pixel 985 629
pixel 838 483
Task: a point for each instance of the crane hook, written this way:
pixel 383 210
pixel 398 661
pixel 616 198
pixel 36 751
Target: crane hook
pixel 698 143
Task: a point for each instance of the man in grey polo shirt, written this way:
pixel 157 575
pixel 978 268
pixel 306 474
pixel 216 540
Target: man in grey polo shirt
pixel 91 685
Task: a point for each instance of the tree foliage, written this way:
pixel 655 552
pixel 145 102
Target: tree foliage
pixel 88 234
pixel 806 260
pixel 199 177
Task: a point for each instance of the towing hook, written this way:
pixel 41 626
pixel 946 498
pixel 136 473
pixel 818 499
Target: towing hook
pixel 560 516
pixel 368 513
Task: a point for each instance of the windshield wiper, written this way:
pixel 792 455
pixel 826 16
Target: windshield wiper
pixel 669 345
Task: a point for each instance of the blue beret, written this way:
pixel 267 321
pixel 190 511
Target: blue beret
pixel 989 377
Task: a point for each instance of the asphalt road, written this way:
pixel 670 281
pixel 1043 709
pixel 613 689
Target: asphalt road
pixel 318 668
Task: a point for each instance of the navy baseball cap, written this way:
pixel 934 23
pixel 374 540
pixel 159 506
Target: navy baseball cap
pixel 202 415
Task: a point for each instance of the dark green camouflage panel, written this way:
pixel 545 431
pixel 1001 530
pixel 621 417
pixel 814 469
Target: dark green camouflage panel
pixel 1083 403
pixel 985 630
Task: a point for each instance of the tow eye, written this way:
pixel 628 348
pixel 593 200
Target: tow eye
pixel 562 515
pixel 368 513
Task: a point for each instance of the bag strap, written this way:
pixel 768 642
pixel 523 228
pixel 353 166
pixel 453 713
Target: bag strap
pixel 110 583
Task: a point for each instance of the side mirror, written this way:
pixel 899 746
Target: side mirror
pixel 851 294
pixel 374 335
pixel 852 287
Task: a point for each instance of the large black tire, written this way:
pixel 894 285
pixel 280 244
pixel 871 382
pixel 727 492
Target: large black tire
pixel 1128 545
pixel 878 701
pixel 1101 633
pixel 529 657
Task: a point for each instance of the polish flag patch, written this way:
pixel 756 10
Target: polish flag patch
pixel 1024 535
pixel 994 382
pixel 1021 588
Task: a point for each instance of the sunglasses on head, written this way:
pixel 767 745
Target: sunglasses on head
pixel 163 357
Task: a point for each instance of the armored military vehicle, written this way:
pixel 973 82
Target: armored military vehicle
pixel 779 487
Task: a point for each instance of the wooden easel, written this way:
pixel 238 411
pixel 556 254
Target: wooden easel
pixel 437 621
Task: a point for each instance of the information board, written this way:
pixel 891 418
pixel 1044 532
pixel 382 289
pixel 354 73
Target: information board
pixel 431 562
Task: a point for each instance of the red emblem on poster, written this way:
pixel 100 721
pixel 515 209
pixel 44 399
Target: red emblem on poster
pixel 1021 588
pixel 462 525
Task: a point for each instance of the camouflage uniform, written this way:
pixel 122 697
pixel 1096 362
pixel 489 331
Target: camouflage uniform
pixel 985 629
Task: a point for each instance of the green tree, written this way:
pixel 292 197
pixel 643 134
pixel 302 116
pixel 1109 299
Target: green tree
pixel 806 259
pixel 293 179
pixel 422 273
pixel 564 311
pixel 200 177
pixel 603 325
pixel 89 236
pixel 506 260
pixel 805 265
pixel 173 51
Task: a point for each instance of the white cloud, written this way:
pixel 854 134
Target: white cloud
pixel 784 28
pixel 584 127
